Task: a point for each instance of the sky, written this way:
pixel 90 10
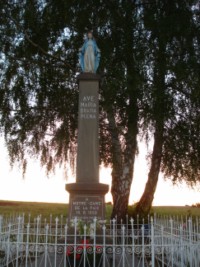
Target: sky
pixel 37 187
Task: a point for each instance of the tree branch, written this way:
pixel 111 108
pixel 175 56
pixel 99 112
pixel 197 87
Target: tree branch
pixel 37 45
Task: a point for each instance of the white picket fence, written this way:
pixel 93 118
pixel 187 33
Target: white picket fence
pixel 55 243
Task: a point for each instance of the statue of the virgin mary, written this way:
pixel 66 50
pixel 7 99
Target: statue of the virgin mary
pixel 89 55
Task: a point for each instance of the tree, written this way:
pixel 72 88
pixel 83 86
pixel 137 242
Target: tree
pixel 38 103
pixel 122 98
pixel 172 88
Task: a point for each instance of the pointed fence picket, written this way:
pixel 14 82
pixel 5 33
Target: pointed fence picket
pixel 161 242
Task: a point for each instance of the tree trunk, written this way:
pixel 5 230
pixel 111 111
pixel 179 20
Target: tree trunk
pixel 123 160
pixel 120 192
pixel 122 171
pixel 123 151
pixel 144 205
pixel 121 184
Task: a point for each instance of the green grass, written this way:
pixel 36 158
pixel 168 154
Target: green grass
pixel 173 211
pixel 176 210
pixel 14 208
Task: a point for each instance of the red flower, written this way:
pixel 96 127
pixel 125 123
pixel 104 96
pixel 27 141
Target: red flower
pixel 70 252
pixel 85 243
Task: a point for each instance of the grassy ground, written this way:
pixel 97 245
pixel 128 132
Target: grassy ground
pixel 176 211
pixel 14 208
pixel 45 209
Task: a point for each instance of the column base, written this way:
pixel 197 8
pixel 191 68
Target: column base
pixel 87 201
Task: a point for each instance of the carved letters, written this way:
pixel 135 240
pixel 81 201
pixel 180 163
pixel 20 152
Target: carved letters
pixel 88 107
pixel 86 207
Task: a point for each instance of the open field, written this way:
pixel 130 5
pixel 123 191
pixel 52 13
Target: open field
pixel 13 208
pixel 177 210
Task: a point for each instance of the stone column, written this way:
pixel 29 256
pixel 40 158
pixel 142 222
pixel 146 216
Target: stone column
pixel 88 121
pixel 87 194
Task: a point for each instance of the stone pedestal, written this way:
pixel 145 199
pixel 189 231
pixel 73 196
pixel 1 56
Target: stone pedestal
pixel 87 194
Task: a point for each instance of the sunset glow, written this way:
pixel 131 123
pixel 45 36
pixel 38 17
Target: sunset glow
pixel 37 187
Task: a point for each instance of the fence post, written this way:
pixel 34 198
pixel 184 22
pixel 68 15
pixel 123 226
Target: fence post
pixel 8 245
pixel 197 224
pixel 46 245
pixel 50 226
pixel 75 239
pixel 1 223
pixel 104 245
pixel 196 248
pixel 18 240
pixel 138 227
pixel 114 234
pixel 55 243
pixel 155 218
pixel 181 245
pixel 190 239
pixel 65 247
pixel 94 240
pixel 152 244
pixel 133 242
pixel 172 247
pixel 37 236
pixel 61 223
pixel 27 243
pixel 127 221
pixel 84 245
pixel 162 244
pixel 29 218
pixel 143 255
pixel 123 245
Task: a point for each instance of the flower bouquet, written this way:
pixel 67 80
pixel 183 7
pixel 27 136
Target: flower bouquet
pixel 83 254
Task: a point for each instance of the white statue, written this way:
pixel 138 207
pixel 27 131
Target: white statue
pixel 89 55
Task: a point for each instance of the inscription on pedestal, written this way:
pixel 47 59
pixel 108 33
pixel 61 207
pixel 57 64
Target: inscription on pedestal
pixel 87 207
pixel 88 107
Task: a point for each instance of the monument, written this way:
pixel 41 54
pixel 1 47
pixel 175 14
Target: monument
pixel 87 194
